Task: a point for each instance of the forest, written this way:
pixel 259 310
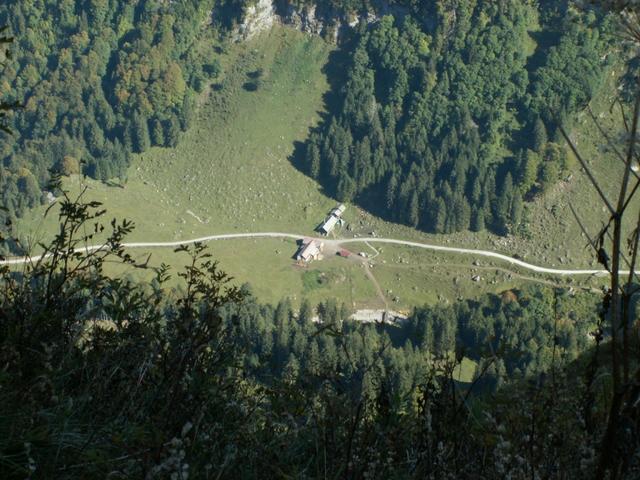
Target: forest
pixel 448 122
pixel 102 376
pixel 517 327
pixel 442 120
pixel 133 380
pixel 97 81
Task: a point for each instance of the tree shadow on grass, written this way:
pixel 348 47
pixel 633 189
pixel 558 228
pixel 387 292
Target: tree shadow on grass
pixel 255 74
pixel 251 86
pixel 255 80
pixel 335 71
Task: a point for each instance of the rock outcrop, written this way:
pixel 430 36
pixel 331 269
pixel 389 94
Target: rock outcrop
pixel 304 20
pixel 257 18
pixel 330 24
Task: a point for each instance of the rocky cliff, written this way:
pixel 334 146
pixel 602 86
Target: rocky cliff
pixel 330 24
pixel 256 19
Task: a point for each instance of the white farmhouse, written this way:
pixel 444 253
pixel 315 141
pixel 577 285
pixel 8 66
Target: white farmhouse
pixel 327 227
pixel 338 211
pixel 334 217
pixel 310 250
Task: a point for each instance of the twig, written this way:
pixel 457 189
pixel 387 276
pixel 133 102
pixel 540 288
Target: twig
pixel 582 227
pixel 609 140
pixel 588 172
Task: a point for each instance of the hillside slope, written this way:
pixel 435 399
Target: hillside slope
pixel 231 173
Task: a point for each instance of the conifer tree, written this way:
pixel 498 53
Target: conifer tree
pixel 172 131
pixel 392 186
pixel 517 207
pixel 313 159
pixel 414 210
pixel 440 216
pixel 529 165
pixel 548 174
pixel 540 137
pixel 478 221
pixel 157 132
pixel 141 139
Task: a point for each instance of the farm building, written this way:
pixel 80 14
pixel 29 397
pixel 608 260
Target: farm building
pixel 310 250
pixel 338 211
pixel 334 218
pixel 330 223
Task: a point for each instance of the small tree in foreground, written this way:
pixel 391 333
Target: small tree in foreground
pixel 94 366
pixel 619 256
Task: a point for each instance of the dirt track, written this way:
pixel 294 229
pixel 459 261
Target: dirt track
pixel 338 242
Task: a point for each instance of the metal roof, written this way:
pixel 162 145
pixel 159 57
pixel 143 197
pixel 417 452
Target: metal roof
pixel 310 249
pixel 329 224
pixel 339 210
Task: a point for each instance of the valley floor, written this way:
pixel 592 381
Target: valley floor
pixel 232 173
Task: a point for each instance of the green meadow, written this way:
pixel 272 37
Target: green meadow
pixel 232 172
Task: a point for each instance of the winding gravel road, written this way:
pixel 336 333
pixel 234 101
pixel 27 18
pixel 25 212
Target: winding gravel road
pixel 391 241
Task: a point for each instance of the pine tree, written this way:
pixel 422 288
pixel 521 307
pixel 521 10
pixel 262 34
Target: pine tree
pixel 440 216
pixel 291 369
pixel 463 214
pixel 127 137
pixel 313 159
pixel 157 132
pixel 549 173
pixel 517 208
pixel 503 202
pixel 379 164
pixel 362 156
pixel 141 139
pixel 558 154
pixel 346 189
pixel 305 315
pixel 476 190
pixel 539 137
pixel 343 313
pixel 313 359
pixel 414 210
pixel 120 160
pixel 529 165
pixel 392 186
pixel 172 131
pixel 478 220
pixel 187 112
pixel 489 196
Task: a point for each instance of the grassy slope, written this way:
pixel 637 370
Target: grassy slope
pixel 231 171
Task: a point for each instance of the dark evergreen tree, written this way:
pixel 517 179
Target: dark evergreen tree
pixel 157 132
pixel 478 221
pixel 172 131
pixel 141 139
pixel 539 135
pixel 313 157
pixel 414 210
pixel 517 208
pixel 548 174
pixel 423 109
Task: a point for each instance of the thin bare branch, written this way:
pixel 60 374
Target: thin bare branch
pixel 622 114
pixel 630 156
pixel 594 182
pixel 582 227
pixel 610 141
pixel 616 308
pixel 627 300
